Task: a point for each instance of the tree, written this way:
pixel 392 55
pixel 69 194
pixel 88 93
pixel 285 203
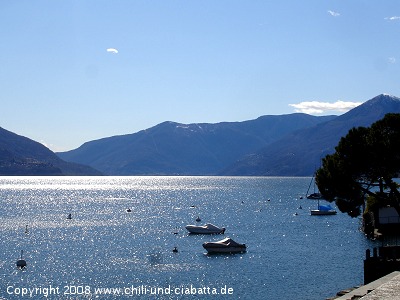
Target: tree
pixel 364 165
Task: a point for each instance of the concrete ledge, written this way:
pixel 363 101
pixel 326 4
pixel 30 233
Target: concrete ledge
pixel 385 288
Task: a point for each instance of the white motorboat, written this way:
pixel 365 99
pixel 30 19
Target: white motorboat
pixel 227 245
pixel 205 229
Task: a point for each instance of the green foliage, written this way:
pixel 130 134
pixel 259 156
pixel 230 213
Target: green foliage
pixel 372 204
pixel 365 162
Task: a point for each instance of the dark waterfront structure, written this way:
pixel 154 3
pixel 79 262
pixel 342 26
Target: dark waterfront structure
pixel 384 260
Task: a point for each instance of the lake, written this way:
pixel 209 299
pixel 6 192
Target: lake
pixel 104 248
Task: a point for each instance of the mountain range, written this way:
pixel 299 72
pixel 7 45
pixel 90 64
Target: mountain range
pixel 20 155
pixel 271 145
pixel 299 153
pixel 172 148
pixel 284 145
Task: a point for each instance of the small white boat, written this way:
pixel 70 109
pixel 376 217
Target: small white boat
pixel 319 212
pixel 323 210
pixel 205 229
pixel 227 245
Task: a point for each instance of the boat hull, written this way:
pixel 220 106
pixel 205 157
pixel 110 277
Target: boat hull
pixel 204 229
pixel 225 249
pixel 200 231
pixel 226 245
pixel 317 212
pixel 315 196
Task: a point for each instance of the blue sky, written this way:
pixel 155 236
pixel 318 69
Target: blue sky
pixel 78 70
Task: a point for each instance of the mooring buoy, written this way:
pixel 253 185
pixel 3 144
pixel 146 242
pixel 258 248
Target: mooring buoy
pixel 21 263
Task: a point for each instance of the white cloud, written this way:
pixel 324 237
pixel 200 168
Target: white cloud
pixel 112 50
pixel 394 18
pixel 44 144
pixel 333 13
pixel 392 60
pixel 52 147
pixel 317 107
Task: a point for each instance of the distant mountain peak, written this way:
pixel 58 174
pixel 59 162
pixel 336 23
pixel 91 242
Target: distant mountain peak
pixel 291 156
pixel 384 97
pixel 385 94
pixel 377 105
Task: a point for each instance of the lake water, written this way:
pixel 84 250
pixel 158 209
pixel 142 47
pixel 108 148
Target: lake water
pixel 289 256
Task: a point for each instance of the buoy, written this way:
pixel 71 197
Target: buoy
pixel 69 217
pixel 21 263
pixel 175 250
pixel 198 219
pixel 26 229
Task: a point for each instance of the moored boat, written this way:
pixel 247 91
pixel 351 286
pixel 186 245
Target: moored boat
pixel 205 229
pixel 227 245
pixel 323 210
pixel 316 195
